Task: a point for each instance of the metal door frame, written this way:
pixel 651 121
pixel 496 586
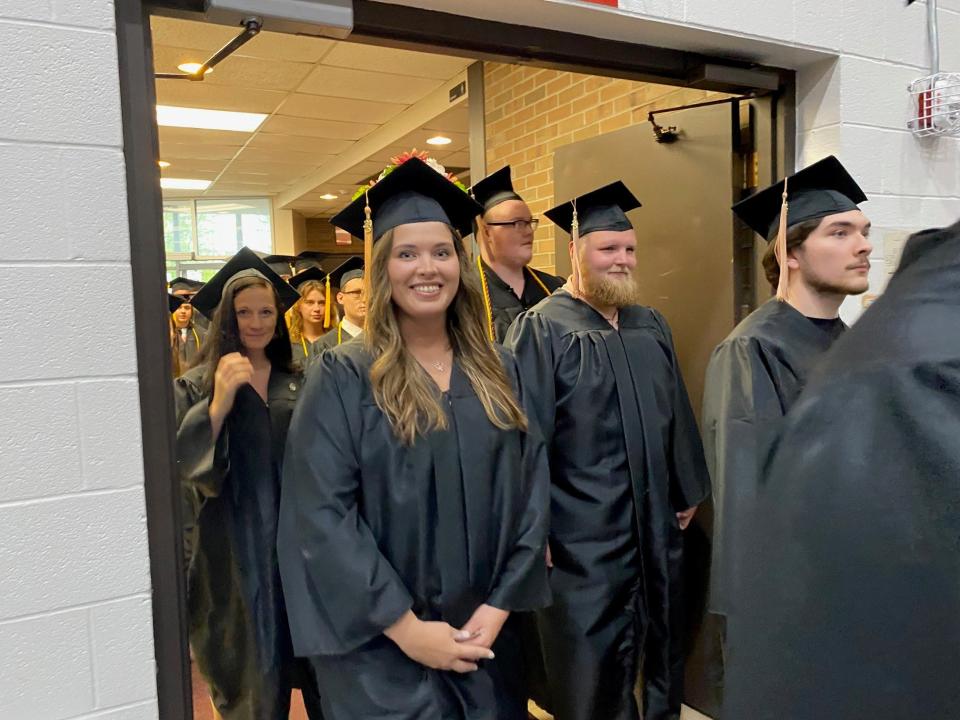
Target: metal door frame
pixel 374 23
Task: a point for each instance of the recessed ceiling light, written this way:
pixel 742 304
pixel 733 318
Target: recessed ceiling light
pixel 163 163
pixel 171 116
pixel 329 196
pixel 183 184
pixel 439 140
pixel 192 68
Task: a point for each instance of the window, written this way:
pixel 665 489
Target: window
pixel 215 228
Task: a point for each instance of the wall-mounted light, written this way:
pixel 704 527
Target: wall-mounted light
pixel 163 163
pixel 193 68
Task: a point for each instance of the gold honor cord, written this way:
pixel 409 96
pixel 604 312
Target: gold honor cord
pixel 543 287
pixel 340 331
pixel 192 329
pixel 486 300
pixel 303 343
pixel 327 303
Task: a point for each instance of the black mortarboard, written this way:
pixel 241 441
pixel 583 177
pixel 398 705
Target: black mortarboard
pixel 495 189
pixel 182 283
pixel 309 259
pixel 605 208
pixel 311 273
pixel 175 301
pixel 245 261
pixel 822 189
pixel 412 193
pixel 346 271
pixel 280 264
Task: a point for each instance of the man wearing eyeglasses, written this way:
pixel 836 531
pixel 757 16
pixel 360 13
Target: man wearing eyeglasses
pixel 505 235
pixel 349 278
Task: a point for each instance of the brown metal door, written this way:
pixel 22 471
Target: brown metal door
pixel 685 227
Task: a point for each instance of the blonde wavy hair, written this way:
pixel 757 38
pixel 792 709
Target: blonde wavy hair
pixel 295 319
pixel 401 388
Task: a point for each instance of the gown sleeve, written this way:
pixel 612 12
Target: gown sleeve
pixel 523 584
pixel 689 479
pixel 202 462
pixel 530 341
pixel 341 590
pixel 740 405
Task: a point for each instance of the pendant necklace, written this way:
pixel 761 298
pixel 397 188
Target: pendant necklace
pixel 440 367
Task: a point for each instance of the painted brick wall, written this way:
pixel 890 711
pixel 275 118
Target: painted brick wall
pixel 530 112
pixel 75 616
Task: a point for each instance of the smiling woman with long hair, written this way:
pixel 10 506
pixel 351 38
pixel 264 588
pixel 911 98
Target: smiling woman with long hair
pixel 233 409
pixel 414 509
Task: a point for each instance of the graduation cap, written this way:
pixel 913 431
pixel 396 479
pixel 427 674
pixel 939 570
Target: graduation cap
pixel 175 301
pixel 822 189
pixel 494 189
pixel 280 264
pixel 309 259
pixel 181 284
pixel 605 208
pixel 311 273
pixel 247 262
pixel 348 270
pixel 412 193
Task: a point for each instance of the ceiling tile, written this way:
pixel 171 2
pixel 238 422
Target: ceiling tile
pixel 456 119
pixel 366 85
pixel 182 93
pixel 178 166
pixel 196 151
pixel 401 62
pixel 273 155
pixel 271 168
pixel 299 143
pixel 284 46
pixel 194 136
pixel 316 128
pixel 333 108
pixel 190 33
pixel 235 70
pixel 180 172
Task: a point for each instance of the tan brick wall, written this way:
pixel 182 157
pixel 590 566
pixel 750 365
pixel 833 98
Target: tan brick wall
pixel 530 112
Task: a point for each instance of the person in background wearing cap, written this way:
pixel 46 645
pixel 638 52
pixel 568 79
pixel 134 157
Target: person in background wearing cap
pixel 414 510
pixel 504 233
pixel 233 410
pixel 311 316
pixel 627 472
pixel 351 296
pixel 757 372
pixel 188 330
pixel 307 259
pixel 174 305
pixel 851 608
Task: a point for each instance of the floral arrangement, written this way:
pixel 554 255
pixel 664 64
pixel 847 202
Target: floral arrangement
pixel 399 160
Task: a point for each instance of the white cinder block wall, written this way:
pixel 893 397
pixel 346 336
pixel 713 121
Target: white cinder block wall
pixel 75 615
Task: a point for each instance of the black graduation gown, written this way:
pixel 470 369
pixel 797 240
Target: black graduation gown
pixel 753 378
pixel 305 357
pixel 333 337
pixel 238 625
pixel 625 456
pixel 504 303
pixel 371 528
pixel 189 348
pixel 852 608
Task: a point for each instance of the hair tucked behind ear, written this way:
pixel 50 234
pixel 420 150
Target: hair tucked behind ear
pixel 223 337
pixel 401 388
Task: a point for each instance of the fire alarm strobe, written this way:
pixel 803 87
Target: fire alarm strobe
pixel 935 98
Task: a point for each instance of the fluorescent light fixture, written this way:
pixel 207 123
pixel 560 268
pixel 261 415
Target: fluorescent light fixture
pixel 163 163
pixel 192 68
pixel 171 116
pixel 183 184
pixel 329 196
pixel 439 140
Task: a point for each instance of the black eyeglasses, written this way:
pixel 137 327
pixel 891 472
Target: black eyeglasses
pixel 520 225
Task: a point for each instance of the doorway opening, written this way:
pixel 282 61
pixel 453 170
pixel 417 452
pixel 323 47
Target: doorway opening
pixel 567 113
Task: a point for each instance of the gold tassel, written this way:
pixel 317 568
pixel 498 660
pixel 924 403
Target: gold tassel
pixel 367 250
pixel 575 236
pixel 780 250
pixel 327 306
